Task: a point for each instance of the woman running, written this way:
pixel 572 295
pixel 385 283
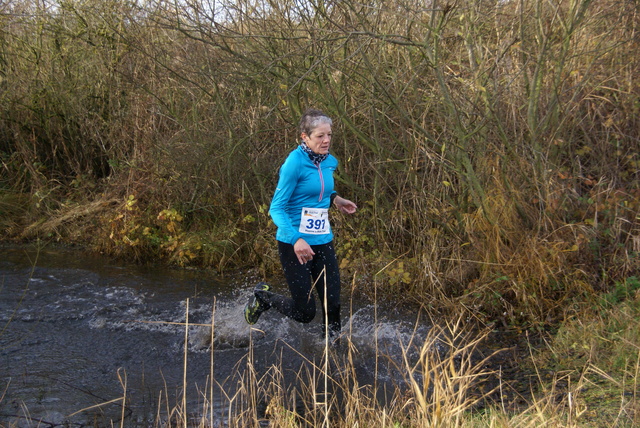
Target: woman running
pixel 300 210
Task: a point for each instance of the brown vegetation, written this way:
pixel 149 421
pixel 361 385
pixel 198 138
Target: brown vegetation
pixel 492 146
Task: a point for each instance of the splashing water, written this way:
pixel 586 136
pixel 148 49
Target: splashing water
pixel 71 325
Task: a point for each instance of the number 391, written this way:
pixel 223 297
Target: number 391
pixel 316 224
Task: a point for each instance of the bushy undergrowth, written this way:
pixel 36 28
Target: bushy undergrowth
pixel 492 147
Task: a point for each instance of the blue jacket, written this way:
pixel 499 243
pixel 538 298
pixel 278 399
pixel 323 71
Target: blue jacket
pixel 301 185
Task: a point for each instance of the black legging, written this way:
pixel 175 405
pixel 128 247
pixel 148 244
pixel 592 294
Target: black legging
pixel 301 306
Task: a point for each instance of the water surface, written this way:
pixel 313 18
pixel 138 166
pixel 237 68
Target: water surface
pixel 78 332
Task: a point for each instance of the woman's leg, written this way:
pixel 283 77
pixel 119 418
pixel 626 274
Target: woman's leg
pixel 326 276
pixel 323 271
pixel 301 306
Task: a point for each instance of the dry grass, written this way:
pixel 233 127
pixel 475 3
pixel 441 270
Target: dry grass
pixel 492 147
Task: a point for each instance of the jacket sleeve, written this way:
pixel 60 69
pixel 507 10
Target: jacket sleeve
pixel 289 174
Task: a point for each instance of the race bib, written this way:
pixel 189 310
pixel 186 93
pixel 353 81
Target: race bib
pixel 315 221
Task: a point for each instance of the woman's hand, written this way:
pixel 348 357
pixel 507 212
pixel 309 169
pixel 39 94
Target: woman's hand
pixel 345 205
pixel 303 251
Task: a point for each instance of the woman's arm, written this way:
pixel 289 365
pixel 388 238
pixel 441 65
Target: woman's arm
pixel 278 208
pixel 344 205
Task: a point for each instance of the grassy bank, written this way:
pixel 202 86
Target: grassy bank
pixel 492 147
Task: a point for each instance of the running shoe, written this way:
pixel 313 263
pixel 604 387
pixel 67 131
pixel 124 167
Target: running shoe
pixel 255 307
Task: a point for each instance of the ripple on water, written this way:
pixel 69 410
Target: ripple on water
pixel 103 318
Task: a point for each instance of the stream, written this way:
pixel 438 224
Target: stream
pixel 81 334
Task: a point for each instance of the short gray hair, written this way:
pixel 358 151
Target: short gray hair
pixel 311 119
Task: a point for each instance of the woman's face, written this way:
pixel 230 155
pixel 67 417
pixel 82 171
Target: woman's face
pixel 320 139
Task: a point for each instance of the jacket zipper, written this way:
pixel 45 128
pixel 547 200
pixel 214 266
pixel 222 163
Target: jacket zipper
pixel 321 183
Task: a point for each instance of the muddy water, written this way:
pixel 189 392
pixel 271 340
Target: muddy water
pixel 78 333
